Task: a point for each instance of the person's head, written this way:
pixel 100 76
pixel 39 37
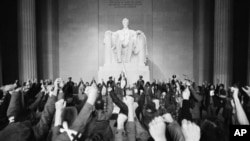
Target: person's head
pixel 99 104
pixel 140 77
pixel 118 84
pixel 150 107
pixel 69 79
pixel 110 78
pixel 174 76
pixel 148 84
pixel 222 86
pixel 125 22
pixel 99 85
pixel 95 137
pixel 87 83
pixel 211 87
pixel 212 130
pixel 69 115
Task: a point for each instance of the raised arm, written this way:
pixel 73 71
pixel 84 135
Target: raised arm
pixel 131 124
pixel 41 129
pixel 110 106
pixel 119 103
pixel 79 125
pixel 240 113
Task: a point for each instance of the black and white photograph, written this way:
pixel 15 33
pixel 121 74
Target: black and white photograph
pixel 124 70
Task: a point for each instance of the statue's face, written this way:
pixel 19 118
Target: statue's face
pixel 125 22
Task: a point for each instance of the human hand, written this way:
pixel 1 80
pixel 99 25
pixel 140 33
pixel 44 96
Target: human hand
pixel 49 88
pixel 128 100
pixel 247 90
pixel 8 88
pixel 157 103
pixel 186 94
pixel 92 94
pixel 61 83
pixel 168 118
pixel 235 92
pixel 109 89
pixel 190 130
pixel 187 83
pixel 157 128
pixel 57 83
pixel 60 105
pixel 121 119
pixel 18 89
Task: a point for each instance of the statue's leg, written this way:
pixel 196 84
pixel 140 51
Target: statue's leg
pixel 129 52
pixel 118 48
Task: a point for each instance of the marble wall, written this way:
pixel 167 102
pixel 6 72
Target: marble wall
pixel 168 25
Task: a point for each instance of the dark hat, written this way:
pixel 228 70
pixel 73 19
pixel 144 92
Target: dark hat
pixel 110 77
pixel 69 114
pixel 140 76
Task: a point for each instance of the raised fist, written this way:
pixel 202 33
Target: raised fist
pixel 92 94
pixel 246 90
pixel 186 93
pixel 168 118
pixel 121 119
pixel 190 130
pixel 157 128
pixel 60 105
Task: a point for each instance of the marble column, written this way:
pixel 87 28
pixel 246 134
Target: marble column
pixel 1 73
pixel 248 63
pixel 27 40
pixel 52 39
pixel 223 42
pixel 203 37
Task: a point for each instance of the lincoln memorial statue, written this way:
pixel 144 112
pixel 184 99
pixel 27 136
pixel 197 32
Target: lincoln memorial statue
pixel 125 49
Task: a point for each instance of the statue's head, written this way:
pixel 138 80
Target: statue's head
pixel 125 22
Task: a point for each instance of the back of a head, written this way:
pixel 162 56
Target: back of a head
pixel 99 104
pixel 212 130
pixel 96 137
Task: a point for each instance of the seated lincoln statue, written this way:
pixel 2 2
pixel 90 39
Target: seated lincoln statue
pixel 125 46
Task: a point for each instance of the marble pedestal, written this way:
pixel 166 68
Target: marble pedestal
pixel 133 72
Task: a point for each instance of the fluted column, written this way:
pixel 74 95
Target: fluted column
pixel 248 70
pixel 248 60
pixel 223 41
pixel 1 73
pixel 27 40
pixel 202 40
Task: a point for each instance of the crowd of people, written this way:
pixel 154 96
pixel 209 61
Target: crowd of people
pixel 176 110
